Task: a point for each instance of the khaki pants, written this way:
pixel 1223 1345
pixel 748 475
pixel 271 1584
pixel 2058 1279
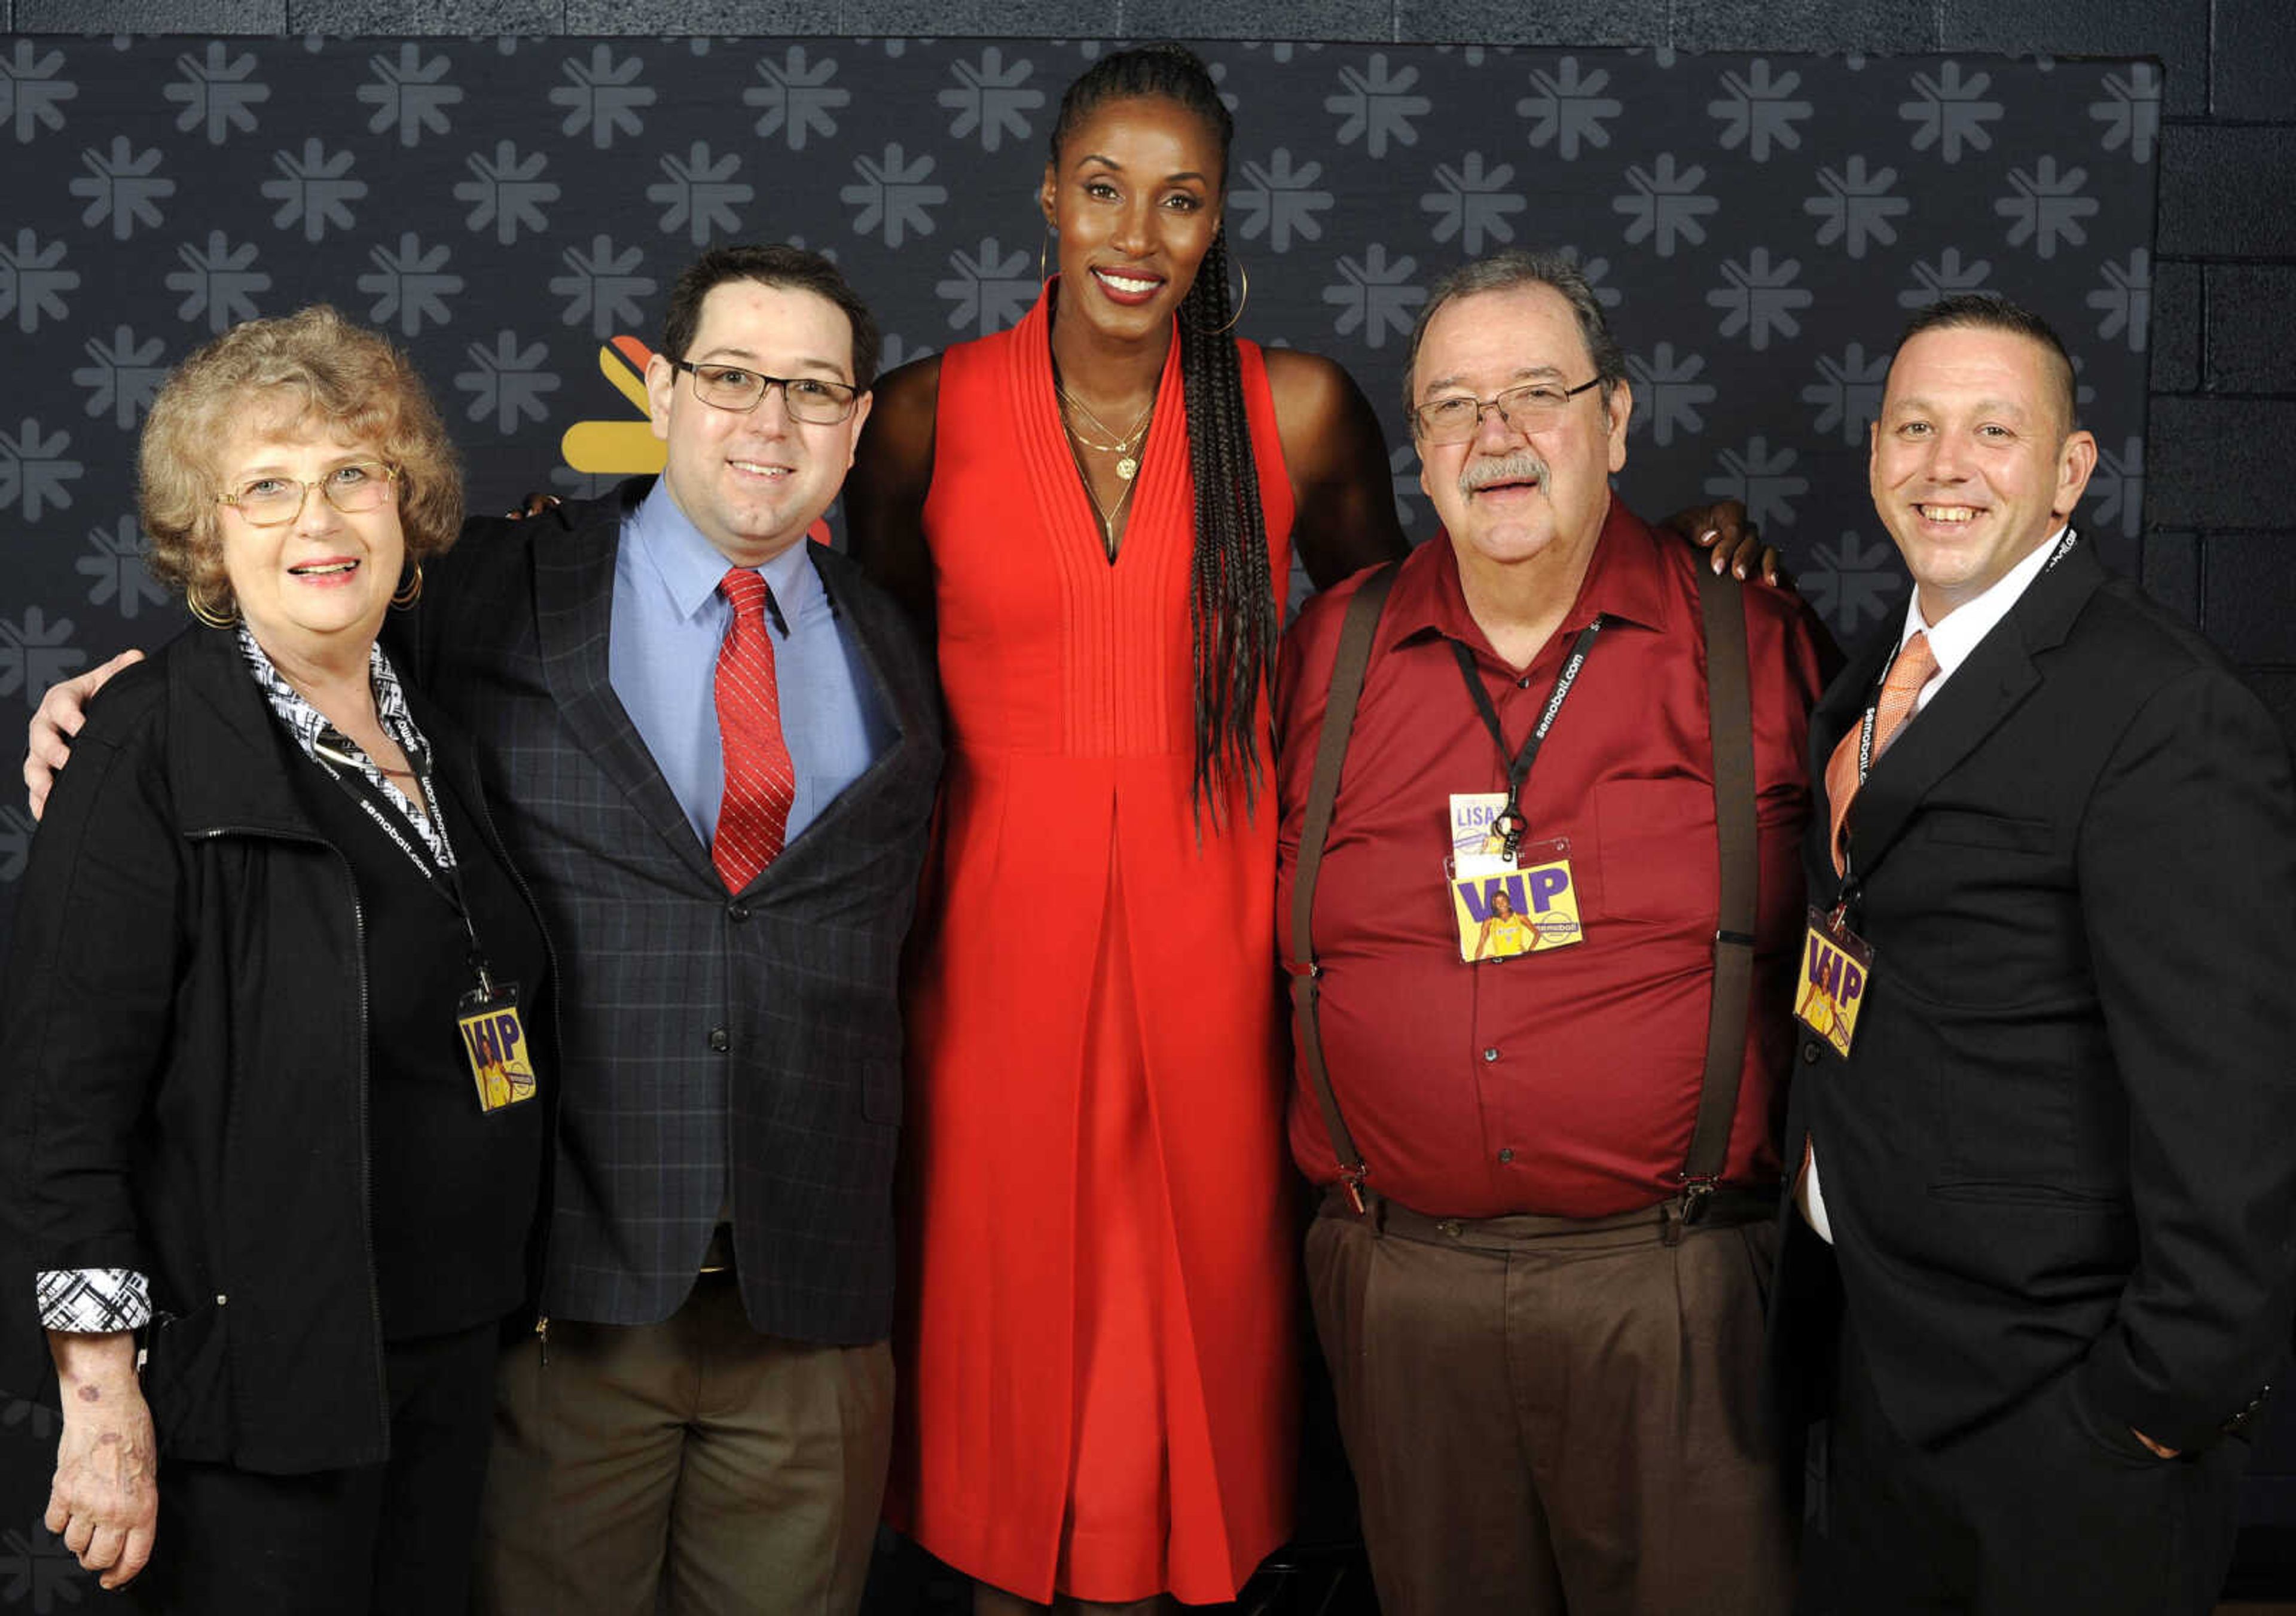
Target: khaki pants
pixel 737 1472
pixel 1548 1416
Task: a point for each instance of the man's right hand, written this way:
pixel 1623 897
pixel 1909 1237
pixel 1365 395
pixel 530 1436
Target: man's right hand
pixel 47 745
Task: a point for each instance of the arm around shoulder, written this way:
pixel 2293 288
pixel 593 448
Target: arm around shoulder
pixel 885 491
pixel 1344 499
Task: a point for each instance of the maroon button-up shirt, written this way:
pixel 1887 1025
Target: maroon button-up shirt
pixel 1564 1082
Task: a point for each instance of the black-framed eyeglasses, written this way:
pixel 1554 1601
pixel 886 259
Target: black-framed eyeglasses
pixel 812 399
pixel 353 489
pixel 1457 420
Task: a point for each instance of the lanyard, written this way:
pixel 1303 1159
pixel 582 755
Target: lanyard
pixel 1518 768
pixel 444 875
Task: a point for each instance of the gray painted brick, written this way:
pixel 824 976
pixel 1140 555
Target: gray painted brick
pixel 2172 572
pixel 152 16
pixel 1598 22
pixel 2173 342
pixel 2220 463
pixel 2254 66
pixel 2246 609
pixel 1052 18
pixel 1873 25
pixel 419 17
pixel 2176 31
pixel 757 17
pixel 2224 192
pixel 2251 347
pixel 1367 19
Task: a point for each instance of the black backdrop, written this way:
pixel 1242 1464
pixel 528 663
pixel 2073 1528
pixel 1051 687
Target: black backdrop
pixel 514 212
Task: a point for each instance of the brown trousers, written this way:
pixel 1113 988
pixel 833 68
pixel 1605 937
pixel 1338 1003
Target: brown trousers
pixel 738 1472
pixel 1549 1416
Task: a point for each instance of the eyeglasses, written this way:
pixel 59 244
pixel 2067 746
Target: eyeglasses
pixel 811 399
pixel 266 501
pixel 1457 420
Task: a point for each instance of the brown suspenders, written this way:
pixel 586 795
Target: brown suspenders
pixel 1730 724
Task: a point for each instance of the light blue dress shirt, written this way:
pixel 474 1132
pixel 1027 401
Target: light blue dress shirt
pixel 662 659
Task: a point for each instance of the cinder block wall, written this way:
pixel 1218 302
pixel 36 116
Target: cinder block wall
pixel 2223 418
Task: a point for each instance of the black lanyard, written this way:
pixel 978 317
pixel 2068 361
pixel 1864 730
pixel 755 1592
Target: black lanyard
pixel 445 876
pixel 1517 769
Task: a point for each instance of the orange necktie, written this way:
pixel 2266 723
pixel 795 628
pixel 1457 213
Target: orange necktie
pixel 1915 667
pixel 760 781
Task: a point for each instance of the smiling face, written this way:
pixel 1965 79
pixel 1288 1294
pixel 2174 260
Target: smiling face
pixel 313 590
pixel 1974 464
pixel 1511 496
pixel 754 480
pixel 1135 197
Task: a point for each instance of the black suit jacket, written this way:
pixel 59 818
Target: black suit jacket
pixel 751 1043
pixel 2064 1140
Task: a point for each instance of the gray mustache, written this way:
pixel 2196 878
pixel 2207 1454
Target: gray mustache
pixel 1521 466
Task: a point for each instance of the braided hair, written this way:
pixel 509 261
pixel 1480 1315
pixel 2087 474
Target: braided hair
pixel 1232 606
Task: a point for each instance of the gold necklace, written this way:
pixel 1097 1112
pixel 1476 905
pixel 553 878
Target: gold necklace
pixel 1126 447
pixel 1108 513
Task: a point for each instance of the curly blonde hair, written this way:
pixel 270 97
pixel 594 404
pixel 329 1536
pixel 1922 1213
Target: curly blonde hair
pixel 312 371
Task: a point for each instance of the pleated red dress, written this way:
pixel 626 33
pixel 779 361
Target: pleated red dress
pixel 1097 1378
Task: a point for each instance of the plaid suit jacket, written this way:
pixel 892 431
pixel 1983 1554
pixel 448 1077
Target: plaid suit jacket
pixel 708 1044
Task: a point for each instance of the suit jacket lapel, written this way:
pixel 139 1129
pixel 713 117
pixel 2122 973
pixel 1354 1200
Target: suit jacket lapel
pixel 574 610
pixel 896 699
pixel 1983 691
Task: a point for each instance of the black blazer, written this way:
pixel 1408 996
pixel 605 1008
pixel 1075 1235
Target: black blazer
pixel 2064 1140
pixel 710 1045
pixel 184 1083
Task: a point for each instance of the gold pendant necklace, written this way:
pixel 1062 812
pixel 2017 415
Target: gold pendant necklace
pixel 1127 444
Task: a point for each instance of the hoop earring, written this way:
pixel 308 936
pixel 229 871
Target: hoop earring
pixel 1240 302
pixel 206 613
pixel 409 591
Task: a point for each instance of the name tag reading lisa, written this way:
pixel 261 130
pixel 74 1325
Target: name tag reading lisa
pixel 1837 967
pixel 494 1041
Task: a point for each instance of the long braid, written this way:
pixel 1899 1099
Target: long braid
pixel 1230 598
pixel 1231 605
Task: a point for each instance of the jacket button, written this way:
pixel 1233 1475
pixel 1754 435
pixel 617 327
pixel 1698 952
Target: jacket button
pixel 1507 1153
pixel 1809 1054
pixel 720 1039
pixel 1490 1054
pixel 737 912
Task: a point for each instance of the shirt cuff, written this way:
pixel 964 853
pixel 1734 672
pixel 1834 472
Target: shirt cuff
pixel 93 1301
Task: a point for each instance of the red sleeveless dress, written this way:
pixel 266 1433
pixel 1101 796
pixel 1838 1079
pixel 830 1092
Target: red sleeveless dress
pixel 1097 1349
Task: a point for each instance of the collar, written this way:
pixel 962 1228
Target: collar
pixel 1952 639
pixel 1627 581
pixel 689 566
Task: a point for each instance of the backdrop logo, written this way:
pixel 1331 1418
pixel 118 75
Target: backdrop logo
pixel 618 447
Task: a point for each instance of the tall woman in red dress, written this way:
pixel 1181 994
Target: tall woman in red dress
pixel 1096 508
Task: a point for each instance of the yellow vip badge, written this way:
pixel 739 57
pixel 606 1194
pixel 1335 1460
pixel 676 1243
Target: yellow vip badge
pixel 1510 911
pixel 494 1040
pixel 1837 967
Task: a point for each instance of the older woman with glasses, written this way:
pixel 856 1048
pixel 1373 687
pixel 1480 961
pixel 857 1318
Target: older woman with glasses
pixel 271 1148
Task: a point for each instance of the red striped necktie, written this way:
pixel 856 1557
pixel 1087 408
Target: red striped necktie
pixel 760 780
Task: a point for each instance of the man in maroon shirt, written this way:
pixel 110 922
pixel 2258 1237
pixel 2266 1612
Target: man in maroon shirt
pixel 1547 1349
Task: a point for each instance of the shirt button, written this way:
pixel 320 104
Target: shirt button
pixel 1490 1054
pixel 1507 1153
pixel 1523 682
pixel 737 912
pixel 720 1039
pixel 1809 1054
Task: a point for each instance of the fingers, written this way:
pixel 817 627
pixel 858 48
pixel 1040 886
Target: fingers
pixel 135 1554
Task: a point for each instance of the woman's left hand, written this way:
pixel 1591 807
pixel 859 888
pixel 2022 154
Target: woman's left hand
pixel 1737 542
